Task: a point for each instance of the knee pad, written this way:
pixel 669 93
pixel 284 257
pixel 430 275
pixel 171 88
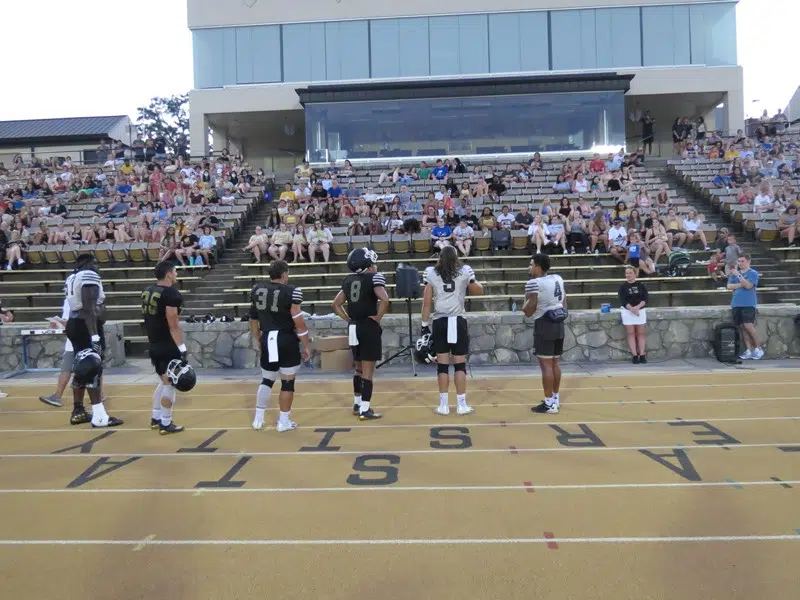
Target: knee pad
pixel 287 385
pixel 271 375
pixel 442 368
pixel 460 367
pixel 268 382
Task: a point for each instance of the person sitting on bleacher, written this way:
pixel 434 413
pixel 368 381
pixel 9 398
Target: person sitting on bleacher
pixel 281 242
pixel 655 237
pixel 693 228
pixel 319 240
pixel 505 219
pixel 487 221
pixel 674 227
pixel 441 235
pixel 187 247
pixel 15 250
pixel 787 225
pixel 618 240
pixel 59 235
pixel 764 201
pixel 206 247
pixel 375 226
pixel 557 232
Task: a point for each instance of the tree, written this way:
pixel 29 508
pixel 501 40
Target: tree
pixel 167 118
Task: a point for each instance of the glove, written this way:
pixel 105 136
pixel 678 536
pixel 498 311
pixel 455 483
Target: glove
pixel 426 330
pixel 184 353
pixel 97 346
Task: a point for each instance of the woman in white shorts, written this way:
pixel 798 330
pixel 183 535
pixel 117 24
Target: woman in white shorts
pixel 633 301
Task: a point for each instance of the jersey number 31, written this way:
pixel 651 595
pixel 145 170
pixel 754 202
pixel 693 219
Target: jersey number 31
pixel 262 299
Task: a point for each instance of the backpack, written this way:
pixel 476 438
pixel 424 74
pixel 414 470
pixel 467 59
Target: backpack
pixel 678 264
pixel 726 343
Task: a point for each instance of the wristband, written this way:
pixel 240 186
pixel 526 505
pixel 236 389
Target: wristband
pixel 305 333
pixel 182 348
pixel 95 338
pixel 426 323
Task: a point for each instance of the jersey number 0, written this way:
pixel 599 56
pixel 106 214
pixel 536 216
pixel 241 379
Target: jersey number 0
pixel 262 299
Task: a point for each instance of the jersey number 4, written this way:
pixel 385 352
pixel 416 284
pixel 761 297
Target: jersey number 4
pixel 263 299
pixel 150 302
pixel 557 292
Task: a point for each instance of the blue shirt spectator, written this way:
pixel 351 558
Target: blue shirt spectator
pixel 722 181
pixel 743 297
pixel 335 191
pixel 125 188
pixel 441 232
pixel 440 172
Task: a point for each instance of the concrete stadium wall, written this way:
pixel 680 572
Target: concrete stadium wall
pixel 508 338
pixel 45 351
pixel 207 13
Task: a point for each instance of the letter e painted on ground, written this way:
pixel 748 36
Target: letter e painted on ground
pixel 723 439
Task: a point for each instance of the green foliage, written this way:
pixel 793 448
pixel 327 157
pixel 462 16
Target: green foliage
pixel 167 118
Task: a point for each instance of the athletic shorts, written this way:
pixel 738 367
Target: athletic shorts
pixel 79 337
pixel 439 330
pixel 67 361
pixel 548 338
pixel 368 332
pixel 286 351
pixel 743 315
pixel 162 355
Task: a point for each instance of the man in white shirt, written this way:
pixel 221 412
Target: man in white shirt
pixel 546 303
pixel 693 226
pixel 618 238
pixel 506 218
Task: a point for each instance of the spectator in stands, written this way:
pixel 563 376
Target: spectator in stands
pixel 299 242
pixel 304 172
pixel 487 221
pixel 620 212
pixel 618 239
pixel 523 219
pixel 655 237
pixel 43 234
pixel 59 235
pixel 441 235
pixel 15 250
pixel 257 244
pixel 693 228
pixel 787 225
pixel 538 233
pixel 375 226
pixel 505 219
pixel 319 240
pixel 558 232
pixel 675 235
pixel 637 255
pixel 206 247
pixel 281 242
pixel 743 282
pixel 356 227
pixel 394 224
pixel 187 246
pixel 635 222
pixel 431 217
pixel 633 303
pixel 462 237
pixel 578 228
pixel 764 201
pixel 346 211
pixel 561 185
pixel 598 232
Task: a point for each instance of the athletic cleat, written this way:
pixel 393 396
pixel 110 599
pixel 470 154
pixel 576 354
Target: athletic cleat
pixel 155 423
pixel 52 400
pixel 758 354
pixel 369 415
pixel 464 409
pixel 443 410
pixel 110 422
pixel 80 417
pixel 171 428
pixel 746 355
pixel 258 424
pixel 281 427
pixel 356 409
pixel 545 408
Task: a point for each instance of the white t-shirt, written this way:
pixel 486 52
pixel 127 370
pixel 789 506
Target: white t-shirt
pixel 581 186
pixel 463 233
pixel 618 236
pixel 550 292
pixel 762 200
pixel 690 225
pixel 507 221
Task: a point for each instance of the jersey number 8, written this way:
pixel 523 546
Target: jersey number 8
pixel 355 290
pixel 150 302
pixel 262 299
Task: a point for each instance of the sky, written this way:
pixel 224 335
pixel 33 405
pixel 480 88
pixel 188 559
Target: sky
pixel 107 57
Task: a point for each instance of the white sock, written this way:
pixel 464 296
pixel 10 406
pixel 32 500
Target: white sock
pixel 157 401
pixel 260 414
pixel 549 401
pixel 166 416
pixel 99 413
pixel 357 400
pixel 443 399
pixel 262 397
pixel 461 399
pixel 556 398
pixel 284 417
pixel 363 407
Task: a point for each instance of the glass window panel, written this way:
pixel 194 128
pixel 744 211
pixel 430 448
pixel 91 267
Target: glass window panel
pixel 533 34
pixel 384 38
pixel 573 39
pixel 665 35
pixel 414 47
pixel 258 54
pixel 347 50
pixel 214 52
pixel 713 33
pixel 444 45
pixel 464 126
pixel 472 41
pixel 506 43
pixel 618 37
pixel 304 52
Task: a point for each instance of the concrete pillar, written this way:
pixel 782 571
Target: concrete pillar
pixel 198 132
pixel 220 140
pixel 734 103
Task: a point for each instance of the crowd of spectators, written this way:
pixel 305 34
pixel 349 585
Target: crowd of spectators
pixel 133 197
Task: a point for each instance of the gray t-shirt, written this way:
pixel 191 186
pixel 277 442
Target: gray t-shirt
pixel 732 254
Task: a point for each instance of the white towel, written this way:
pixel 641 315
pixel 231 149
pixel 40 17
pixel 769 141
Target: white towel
pixel 272 347
pixel 452 330
pixel 351 334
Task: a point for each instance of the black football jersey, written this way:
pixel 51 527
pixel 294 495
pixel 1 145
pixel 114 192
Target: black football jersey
pixel 155 301
pixel 271 303
pixel 359 290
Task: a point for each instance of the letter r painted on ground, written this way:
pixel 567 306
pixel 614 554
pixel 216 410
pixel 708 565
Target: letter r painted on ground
pixel 586 439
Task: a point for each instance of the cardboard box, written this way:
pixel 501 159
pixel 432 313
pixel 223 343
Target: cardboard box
pixel 336 360
pixel 331 343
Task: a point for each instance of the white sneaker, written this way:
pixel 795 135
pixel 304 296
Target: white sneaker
pixel 464 409
pixel 565 251
pixel 288 426
pixel 758 354
pixel 258 424
pixel 3 395
pixel 746 355
pixel 443 410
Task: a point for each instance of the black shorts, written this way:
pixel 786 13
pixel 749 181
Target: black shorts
pixel 368 332
pixel 288 346
pixel 439 337
pixel 548 338
pixel 79 336
pixel 162 355
pixel 743 315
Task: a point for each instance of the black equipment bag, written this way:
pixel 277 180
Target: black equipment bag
pixel 726 342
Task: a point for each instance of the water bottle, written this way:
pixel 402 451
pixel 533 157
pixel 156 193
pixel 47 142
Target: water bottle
pixel 514 307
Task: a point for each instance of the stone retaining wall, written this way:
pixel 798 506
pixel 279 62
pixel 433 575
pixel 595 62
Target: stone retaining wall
pixel 506 338
pixel 45 351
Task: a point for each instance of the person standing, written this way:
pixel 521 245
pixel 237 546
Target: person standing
pixel 277 321
pixel 743 282
pixel 446 287
pixel 633 302
pixel 546 303
pixel 364 290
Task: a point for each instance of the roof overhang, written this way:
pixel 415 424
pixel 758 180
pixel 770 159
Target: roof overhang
pixel 464 87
